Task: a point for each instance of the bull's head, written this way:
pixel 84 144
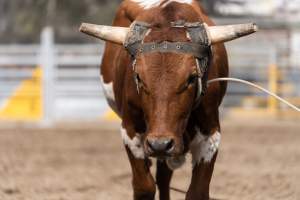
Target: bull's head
pixel 168 83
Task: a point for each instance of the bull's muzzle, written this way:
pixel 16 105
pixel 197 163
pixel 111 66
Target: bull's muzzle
pixel 160 147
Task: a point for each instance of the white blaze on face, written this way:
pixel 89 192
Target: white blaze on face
pixel 147 4
pixel 203 148
pixel 134 144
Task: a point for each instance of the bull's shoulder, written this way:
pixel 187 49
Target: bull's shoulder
pixel 129 10
pixel 202 13
pixel 127 13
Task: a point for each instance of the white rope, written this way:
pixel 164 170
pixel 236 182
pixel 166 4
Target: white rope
pixel 256 86
pixel 246 83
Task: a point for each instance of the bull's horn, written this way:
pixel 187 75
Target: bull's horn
pixel 220 34
pixel 107 33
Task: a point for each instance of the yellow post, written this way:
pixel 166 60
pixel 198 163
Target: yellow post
pixel 25 103
pixel 273 87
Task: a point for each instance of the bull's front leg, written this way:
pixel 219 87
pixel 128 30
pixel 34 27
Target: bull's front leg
pixel 142 180
pixel 163 178
pixel 204 151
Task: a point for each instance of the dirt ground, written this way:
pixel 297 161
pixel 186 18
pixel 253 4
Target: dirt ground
pixel 257 161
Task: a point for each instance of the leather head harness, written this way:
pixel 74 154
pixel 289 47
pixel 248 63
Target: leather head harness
pixel 199 47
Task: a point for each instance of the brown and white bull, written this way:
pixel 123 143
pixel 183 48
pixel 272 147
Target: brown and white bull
pixel 156 85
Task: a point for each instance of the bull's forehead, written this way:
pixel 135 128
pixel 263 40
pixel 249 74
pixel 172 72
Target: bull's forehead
pixel 147 4
pixel 174 68
pixel 167 34
pixel 167 62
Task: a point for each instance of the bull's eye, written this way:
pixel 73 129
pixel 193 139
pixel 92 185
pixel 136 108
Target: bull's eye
pixel 192 79
pixel 138 79
pixel 189 83
pixel 140 83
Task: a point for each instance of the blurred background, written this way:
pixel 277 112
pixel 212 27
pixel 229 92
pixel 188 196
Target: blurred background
pixel 60 141
pixel 49 72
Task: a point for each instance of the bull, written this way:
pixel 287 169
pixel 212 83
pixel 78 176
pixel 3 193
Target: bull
pixel 158 57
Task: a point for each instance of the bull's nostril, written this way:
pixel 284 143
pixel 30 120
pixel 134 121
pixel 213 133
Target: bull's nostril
pixel 170 145
pixel 149 144
pixel 165 145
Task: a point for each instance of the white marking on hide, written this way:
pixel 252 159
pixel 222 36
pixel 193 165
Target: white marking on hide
pixel 188 36
pixel 203 148
pixel 135 144
pixel 147 4
pixel 107 90
pixel 175 162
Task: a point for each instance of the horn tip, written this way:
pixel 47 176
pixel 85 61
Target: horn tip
pixel 82 27
pixel 255 27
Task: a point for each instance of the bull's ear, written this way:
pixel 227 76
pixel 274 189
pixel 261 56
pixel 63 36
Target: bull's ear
pixel 107 33
pixel 220 34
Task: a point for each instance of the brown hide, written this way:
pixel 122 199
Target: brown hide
pixel 116 67
pixel 159 110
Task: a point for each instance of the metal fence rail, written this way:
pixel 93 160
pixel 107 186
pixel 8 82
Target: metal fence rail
pixel 69 85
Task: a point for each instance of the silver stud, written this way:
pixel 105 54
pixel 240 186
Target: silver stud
pixel 165 46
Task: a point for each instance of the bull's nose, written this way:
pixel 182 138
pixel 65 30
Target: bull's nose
pixel 161 146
